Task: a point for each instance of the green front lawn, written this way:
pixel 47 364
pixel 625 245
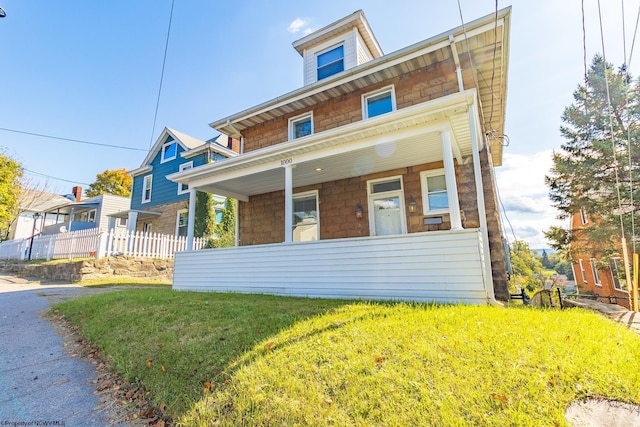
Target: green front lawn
pixel 296 361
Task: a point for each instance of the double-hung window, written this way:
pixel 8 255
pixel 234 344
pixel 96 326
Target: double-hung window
pixel 378 102
pixel 594 271
pixel 434 192
pixel 618 273
pixel 583 216
pixel 183 188
pixel 300 126
pixel 583 272
pixel 330 62
pixel 182 222
pixel 146 188
pixel 169 151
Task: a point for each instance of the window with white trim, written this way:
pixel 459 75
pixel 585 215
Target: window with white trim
pixel 183 188
pixel 330 62
pixel 594 271
pixel 147 182
pixel 618 274
pixel 583 216
pixel 379 102
pixel 306 224
pixel 182 222
pixel 169 151
pixel 434 192
pixel 583 272
pixel 300 126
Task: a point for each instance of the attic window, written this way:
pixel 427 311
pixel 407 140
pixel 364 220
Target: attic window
pixel 169 151
pixel 330 62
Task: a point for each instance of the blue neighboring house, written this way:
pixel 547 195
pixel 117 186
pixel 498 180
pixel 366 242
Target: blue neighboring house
pixel 157 204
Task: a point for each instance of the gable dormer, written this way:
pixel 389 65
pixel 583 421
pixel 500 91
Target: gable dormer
pixel 340 46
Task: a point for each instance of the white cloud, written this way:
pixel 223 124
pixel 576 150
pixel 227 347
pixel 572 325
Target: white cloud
pixel 296 25
pixel 525 197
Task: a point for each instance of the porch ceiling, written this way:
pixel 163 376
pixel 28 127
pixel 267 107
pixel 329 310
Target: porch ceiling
pixel 399 139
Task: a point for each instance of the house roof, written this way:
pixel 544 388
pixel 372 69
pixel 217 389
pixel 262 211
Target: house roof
pixel 356 19
pixel 40 201
pixel 187 142
pixel 485 41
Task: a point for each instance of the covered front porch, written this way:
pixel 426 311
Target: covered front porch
pixel 366 205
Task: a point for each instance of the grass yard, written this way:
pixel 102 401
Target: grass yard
pixel 232 359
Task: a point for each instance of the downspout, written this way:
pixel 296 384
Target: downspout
pixel 456 59
pixel 482 213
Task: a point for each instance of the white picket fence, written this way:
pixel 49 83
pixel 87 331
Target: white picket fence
pixel 93 243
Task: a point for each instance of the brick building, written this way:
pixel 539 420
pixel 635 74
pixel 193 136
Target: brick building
pixel 375 179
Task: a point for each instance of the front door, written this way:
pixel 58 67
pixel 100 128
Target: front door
pixel 386 207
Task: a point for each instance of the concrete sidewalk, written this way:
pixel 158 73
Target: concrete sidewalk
pixel 612 311
pixel 41 382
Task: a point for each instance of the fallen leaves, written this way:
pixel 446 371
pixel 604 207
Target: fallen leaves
pixel 149 362
pixel 499 398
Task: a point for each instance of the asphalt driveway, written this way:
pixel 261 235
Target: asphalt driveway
pixel 41 383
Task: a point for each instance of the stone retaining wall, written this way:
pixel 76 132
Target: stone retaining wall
pixel 75 271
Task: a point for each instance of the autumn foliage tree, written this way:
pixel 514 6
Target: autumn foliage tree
pixel 598 166
pixel 111 181
pixel 10 174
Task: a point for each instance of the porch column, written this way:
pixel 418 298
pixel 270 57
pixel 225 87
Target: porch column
pixel 288 204
pixel 70 219
pixel 450 178
pixel 191 219
pixel 132 221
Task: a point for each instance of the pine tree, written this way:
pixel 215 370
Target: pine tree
pixel 598 159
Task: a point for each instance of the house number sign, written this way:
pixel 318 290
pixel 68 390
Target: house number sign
pixel 285 162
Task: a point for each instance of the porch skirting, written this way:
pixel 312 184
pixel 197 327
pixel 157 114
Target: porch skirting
pixel 444 266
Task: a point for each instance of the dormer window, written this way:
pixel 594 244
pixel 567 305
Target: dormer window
pixel 169 151
pixel 330 62
pixel 300 126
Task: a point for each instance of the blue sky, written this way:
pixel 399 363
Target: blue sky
pixel 90 71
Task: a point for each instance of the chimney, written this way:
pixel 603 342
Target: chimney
pixel 77 192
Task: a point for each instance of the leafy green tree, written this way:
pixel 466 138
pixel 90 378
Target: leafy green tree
pixel 226 229
pixel 528 271
pixel 598 160
pixel 111 181
pixel 10 174
pixel 205 222
pixel 544 259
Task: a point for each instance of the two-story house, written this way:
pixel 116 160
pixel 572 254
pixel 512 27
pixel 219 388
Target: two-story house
pixel 157 204
pixel 373 180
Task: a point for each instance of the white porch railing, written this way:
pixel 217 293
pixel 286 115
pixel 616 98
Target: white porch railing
pixel 93 243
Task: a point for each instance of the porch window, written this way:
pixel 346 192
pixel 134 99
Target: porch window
pixel 378 102
pixel 386 207
pixel 583 272
pixel 146 188
pixel 182 221
pixel 617 272
pixel 301 126
pixel 183 188
pixel 594 271
pixel 330 62
pixel 306 224
pixel 434 192
pixel 169 151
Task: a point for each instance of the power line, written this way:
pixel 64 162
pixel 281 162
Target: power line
pixel 164 61
pixel 72 140
pixel 633 42
pixel 53 177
